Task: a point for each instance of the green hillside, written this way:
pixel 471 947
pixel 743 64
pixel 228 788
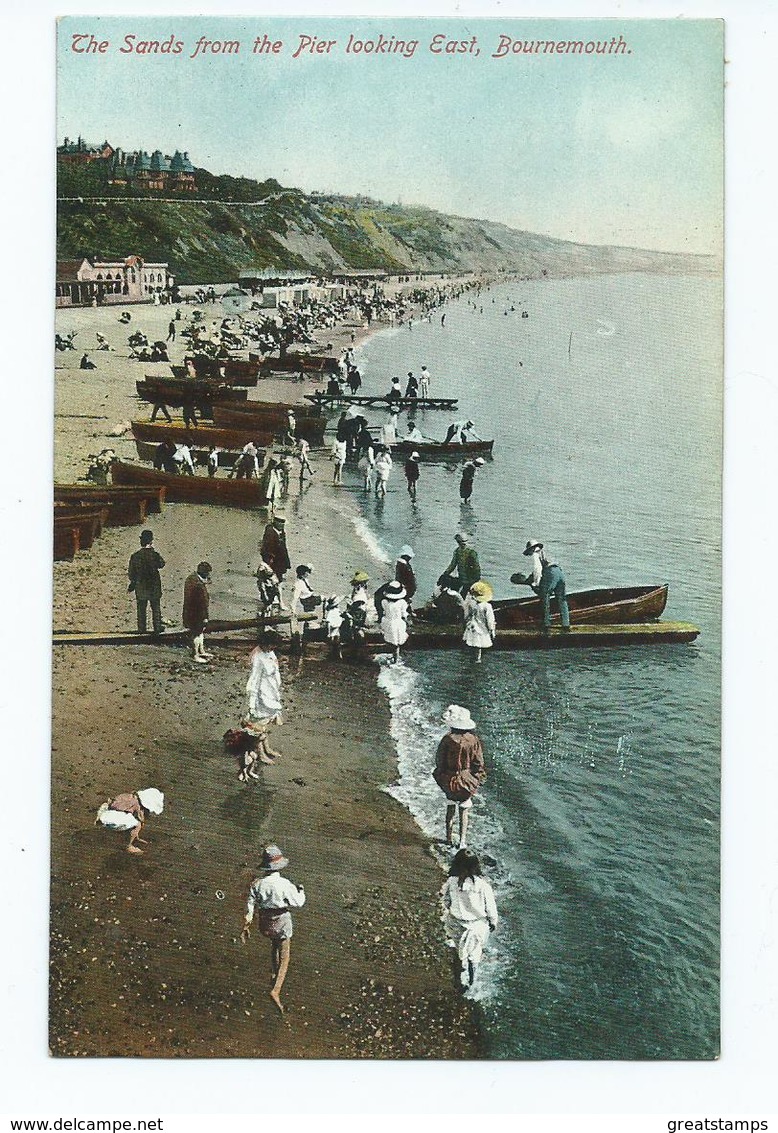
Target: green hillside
pixel 235 223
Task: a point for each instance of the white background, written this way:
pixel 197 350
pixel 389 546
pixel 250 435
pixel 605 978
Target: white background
pixel 742 1082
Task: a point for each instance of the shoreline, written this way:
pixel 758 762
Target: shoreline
pixel 370 975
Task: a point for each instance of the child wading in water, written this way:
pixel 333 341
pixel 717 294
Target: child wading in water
pixel 469 912
pixel 274 896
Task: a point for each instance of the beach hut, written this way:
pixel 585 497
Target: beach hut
pixel 235 301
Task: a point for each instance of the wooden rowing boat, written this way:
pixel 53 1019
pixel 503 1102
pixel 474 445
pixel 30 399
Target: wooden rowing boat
pixel 192 489
pixel 368 400
pixel 66 540
pixel 279 409
pixel 435 637
pixel 617 605
pixel 436 450
pixel 310 429
pixel 204 436
pixel 89 521
pixel 125 506
pixel 174 392
pixel 532 637
pixel 299 364
pixel 232 371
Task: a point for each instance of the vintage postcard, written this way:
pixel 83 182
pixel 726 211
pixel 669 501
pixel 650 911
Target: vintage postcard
pixel 387 538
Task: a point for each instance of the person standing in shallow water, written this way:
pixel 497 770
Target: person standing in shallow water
pixel 459 769
pixel 469 912
pixel 274 896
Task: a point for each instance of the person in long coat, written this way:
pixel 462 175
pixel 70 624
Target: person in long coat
pixel 196 608
pixel 273 547
pixel 403 572
pixel 459 768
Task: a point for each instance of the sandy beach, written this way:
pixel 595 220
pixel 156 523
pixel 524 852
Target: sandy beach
pixel 146 954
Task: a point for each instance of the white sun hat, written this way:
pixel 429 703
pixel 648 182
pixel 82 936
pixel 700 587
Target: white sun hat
pixel 458 717
pixel 405 552
pixel 152 800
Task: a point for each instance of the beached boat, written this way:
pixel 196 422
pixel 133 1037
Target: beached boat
pixel 311 429
pixel 66 540
pixel 192 489
pixel 89 521
pixel 173 393
pixel 436 450
pixel 125 506
pixel 617 605
pixel 299 364
pixel 381 402
pixel 279 409
pixel 231 371
pixel 204 436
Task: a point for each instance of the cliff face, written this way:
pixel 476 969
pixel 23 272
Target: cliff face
pixel 210 241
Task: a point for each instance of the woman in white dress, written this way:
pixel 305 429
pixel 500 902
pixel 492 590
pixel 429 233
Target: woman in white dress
pixel 339 458
pixel 383 466
pixel 394 622
pixel 366 465
pixel 469 912
pixel 480 626
pixel 263 688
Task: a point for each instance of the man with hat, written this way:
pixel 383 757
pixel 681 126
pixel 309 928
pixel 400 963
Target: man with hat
pixel 547 580
pixel 404 573
pixel 468 476
pixel 273 546
pixel 412 473
pixel 195 612
pixel 274 896
pixel 143 572
pixel 465 563
pixel 464 428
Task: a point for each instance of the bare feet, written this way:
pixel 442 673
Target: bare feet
pixel 134 850
pixel 277 1000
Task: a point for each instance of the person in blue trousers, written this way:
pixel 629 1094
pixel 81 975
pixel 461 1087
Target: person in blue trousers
pixel 547 580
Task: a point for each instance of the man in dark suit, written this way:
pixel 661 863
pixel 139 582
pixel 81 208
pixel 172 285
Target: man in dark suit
pixel 143 572
pixel 196 608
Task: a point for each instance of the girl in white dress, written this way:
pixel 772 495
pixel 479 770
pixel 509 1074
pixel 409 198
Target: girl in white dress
pixel 394 622
pixel 480 626
pixel 383 466
pixel 469 912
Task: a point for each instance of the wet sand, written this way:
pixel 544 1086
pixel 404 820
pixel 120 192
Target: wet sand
pixel 146 955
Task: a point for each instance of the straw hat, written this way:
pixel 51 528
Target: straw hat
pixel 479 460
pixel 405 552
pixel 532 545
pixel 458 717
pixel 359 577
pixel 273 859
pixel 394 591
pixel 482 591
pixel 152 800
pixel 415 456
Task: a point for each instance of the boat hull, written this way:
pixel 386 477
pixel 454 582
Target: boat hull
pixel 434 451
pixel 192 489
pixel 310 429
pixel 614 606
pixel 380 402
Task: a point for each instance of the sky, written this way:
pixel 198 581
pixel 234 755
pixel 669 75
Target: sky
pixel 618 148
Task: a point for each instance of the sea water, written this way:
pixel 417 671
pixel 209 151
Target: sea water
pixel 598 823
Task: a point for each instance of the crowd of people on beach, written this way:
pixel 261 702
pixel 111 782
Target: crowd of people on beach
pixel 347 622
